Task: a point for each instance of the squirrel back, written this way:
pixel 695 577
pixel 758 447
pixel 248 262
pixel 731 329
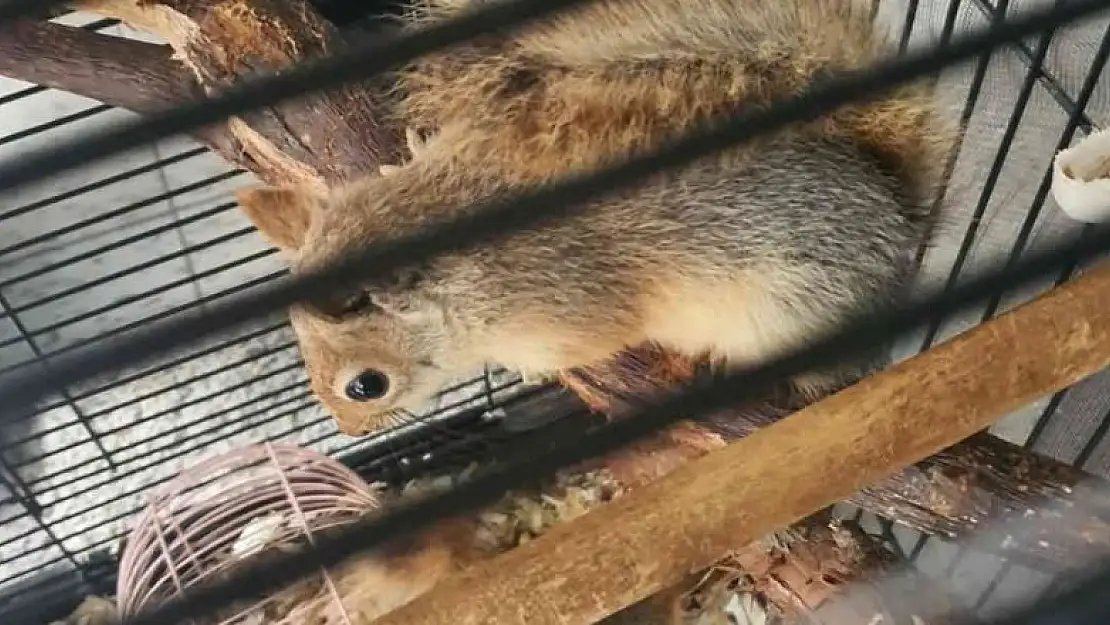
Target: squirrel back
pixel 598 82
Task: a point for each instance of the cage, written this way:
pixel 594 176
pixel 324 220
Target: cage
pixel 99 252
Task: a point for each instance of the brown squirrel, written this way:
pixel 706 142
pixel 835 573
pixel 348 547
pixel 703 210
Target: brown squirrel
pixel 739 256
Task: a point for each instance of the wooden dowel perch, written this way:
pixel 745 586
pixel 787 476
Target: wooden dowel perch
pixel 950 494
pixel 587 569
pixel 957 491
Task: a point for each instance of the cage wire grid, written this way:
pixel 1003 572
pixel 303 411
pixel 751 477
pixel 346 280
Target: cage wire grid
pixel 100 251
pixel 106 250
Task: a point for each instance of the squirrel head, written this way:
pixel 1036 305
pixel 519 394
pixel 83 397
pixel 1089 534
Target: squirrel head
pixel 375 352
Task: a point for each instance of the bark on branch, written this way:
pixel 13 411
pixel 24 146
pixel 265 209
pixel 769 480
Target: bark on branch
pixel 134 75
pixel 952 494
pixel 319 138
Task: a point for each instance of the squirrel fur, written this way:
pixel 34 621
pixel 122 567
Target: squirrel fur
pixel 738 256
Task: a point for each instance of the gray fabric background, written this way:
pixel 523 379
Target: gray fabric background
pixel 1042 123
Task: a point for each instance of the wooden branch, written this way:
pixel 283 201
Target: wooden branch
pixel 134 75
pixel 1064 512
pixel 967 487
pixel 815 572
pixel 952 494
pixel 316 139
pixel 620 553
pixel 792 575
pixel 818 571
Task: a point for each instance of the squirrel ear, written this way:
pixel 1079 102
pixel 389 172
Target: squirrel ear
pixel 281 214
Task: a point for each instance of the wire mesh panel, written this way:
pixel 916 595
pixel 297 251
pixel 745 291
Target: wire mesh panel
pixel 1017 107
pixel 100 252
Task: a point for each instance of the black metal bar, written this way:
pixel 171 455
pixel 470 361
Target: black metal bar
pixel 215 416
pixel 1094 73
pixel 141 397
pixel 118 535
pixel 1032 74
pixel 997 17
pixel 1016 116
pixel 132 270
pixel 101 183
pixel 138 297
pixel 54 123
pixel 15 496
pixel 948 27
pixel 148 372
pixel 1049 82
pixel 139 323
pixel 60 389
pixel 992 586
pixel 149 418
pixel 285 412
pixel 182 452
pixel 93 253
pixel 147 396
pixel 119 212
pixel 1094 441
pixel 35 513
pixel 907 26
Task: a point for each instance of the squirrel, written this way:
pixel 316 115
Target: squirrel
pixel 740 256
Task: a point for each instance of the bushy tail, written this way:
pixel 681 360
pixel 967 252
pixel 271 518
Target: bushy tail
pixel 678 61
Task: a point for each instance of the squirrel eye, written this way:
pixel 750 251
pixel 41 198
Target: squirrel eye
pixel 340 305
pixel 367 386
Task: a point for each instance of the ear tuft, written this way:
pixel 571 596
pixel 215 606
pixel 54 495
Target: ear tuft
pixel 281 214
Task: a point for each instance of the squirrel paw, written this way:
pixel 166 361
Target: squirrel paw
pixel 531 377
pixel 416 145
